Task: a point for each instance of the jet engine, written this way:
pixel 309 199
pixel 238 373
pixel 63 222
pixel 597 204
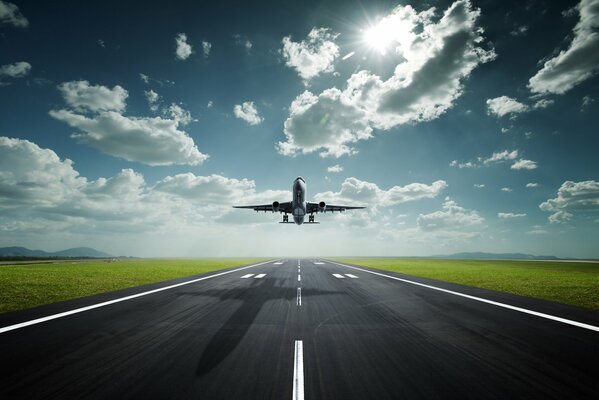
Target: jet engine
pixel 322 206
pixel 275 206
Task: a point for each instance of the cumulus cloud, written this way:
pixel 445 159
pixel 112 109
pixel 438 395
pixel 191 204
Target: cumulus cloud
pixel 578 62
pixel 506 189
pixel 10 15
pixel 572 198
pixel 206 48
pixel 247 111
pixel 437 57
pixel 183 49
pixel 504 105
pixel 85 97
pixel 524 164
pixel 335 169
pixel 152 141
pixel 145 78
pixel 510 215
pixel 313 55
pixel 153 98
pixel 451 217
pixel 532 185
pixel 354 190
pixel 15 70
pixel 37 188
pixel 479 186
pixel 501 156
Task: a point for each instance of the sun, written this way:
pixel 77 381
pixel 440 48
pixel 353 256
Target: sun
pixel 380 36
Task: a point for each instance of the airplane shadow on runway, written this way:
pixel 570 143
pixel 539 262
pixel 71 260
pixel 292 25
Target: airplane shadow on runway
pixel 226 339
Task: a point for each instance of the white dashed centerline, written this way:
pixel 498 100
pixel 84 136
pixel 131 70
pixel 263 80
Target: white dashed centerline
pixel 351 276
pixel 299 278
pixel 299 296
pixel 338 276
pixel 319 263
pixel 260 276
pixel 247 276
pixel 298 371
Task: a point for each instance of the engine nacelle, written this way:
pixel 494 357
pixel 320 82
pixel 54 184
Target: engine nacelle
pixel 322 206
pixel 275 206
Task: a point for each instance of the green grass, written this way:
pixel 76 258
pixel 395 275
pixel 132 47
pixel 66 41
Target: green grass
pixel 563 282
pixel 25 286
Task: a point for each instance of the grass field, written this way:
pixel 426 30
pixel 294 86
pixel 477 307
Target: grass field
pixel 25 286
pixel 564 282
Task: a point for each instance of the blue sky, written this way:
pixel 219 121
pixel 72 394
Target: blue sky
pixel 463 126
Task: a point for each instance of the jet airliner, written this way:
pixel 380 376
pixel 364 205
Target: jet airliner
pixel 298 206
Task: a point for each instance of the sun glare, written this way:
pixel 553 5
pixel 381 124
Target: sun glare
pixel 380 36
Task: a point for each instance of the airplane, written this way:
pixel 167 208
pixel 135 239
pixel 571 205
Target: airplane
pixel 299 207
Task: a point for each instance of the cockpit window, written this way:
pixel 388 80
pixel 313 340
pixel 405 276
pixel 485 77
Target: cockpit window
pixel 300 178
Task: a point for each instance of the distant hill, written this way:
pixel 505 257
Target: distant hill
pixel 75 252
pixel 496 256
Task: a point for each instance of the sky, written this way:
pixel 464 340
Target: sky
pixel 461 125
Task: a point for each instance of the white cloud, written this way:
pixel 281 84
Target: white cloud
pixel 524 164
pixel 183 50
pixel 354 191
pixel 313 55
pixel 152 141
pixel 468 164
pixel 578 62
pixel 145 78
pixel 572 197
pixel 504 105
pixel 501 156
pixel 510 215
pixel 519 31
pixel 210 104
pixel 479 186
pixel 537 232
pixel 436 59
pixel 42 190
pixel 179 114
pixel 243 42
pixel 586 102
pixel 543 103
pixel 10 14
pixel 452 217
pixel 532 185
pixel 247 111
pixel 206 48
pixel 153 98
pixel 14 70
pixel 506 189
pixel 335 169
pixel 85 97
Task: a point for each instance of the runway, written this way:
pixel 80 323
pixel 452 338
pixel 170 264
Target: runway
pixel 295 329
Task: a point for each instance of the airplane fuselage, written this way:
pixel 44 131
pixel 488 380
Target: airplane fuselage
pixel 298 203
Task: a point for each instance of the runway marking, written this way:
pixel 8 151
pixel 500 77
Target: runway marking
pixel 299 277
pixel 260 276
pixel 482 300
pixel 299 296
pixel 298 371
pixel 319 263
pixel 351 276
pixel 107 303
pixel 338 276
pixel 279 263
pixel 247 276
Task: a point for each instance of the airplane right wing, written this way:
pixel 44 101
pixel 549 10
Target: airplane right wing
pixel 274 207
pixel 322 207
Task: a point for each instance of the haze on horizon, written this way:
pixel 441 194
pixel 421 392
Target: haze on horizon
pixel 461 125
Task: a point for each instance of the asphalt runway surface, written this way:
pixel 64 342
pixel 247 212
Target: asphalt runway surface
pixel 295 329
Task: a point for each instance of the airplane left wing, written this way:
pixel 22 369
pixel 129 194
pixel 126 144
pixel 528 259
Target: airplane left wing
pixel 274 207
pixel 322 207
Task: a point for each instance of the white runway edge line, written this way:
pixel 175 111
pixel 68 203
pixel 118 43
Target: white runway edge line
pixel 298 371
pixel 495 303
pixel 107 303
